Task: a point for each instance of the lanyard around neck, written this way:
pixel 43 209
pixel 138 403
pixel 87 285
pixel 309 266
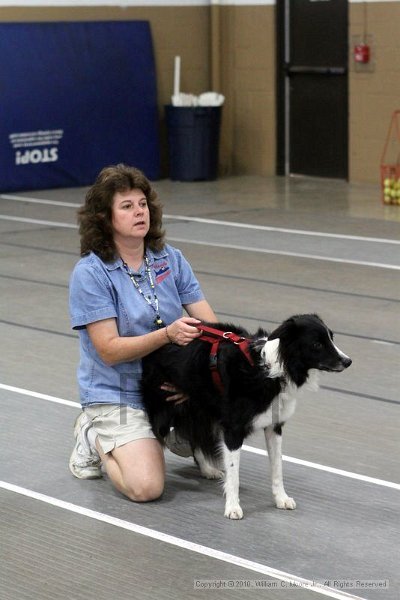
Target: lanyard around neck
pixel 153 302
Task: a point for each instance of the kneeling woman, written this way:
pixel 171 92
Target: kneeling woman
pixel 127 295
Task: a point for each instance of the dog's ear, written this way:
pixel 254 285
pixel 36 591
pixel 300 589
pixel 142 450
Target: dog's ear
pixel 294 321
pixel 289 356
pixel 286 330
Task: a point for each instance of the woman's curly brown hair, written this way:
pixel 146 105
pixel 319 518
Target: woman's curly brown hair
pixel 95 216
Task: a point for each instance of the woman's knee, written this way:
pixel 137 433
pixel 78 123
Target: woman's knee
pixel 145 491
pixel 141 469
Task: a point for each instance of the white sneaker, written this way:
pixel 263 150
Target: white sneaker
pixel 84 462
pixel 178 445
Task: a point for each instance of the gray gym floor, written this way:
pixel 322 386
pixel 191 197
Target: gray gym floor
pixel 263 249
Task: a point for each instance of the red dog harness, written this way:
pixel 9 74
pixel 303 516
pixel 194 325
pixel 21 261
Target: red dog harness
pixel 215 337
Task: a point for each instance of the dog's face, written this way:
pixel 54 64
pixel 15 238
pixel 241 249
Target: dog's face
pixel 301 343
pixel 316 345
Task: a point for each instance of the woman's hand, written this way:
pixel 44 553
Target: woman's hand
pixel 177 396
pixel 183 331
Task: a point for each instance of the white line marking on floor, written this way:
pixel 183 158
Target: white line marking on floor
pixel 38 221
pixel 284 253
pixel 312 465
pixel 38 201
pixel 224 223
pixel 252 449
pixel 339 236
pixel 182 543
pixel 24 392
pixel 228 246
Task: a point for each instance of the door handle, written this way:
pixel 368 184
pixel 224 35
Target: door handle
pixel 303 70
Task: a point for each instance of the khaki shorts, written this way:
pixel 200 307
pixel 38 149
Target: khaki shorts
pixel 117 425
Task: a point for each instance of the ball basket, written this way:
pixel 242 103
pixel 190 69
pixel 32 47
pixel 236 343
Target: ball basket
pixel 390 163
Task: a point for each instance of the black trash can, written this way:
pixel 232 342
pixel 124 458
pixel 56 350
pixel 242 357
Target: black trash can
pixel 193 141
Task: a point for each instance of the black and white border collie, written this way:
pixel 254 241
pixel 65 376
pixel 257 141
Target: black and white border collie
pixel 258 396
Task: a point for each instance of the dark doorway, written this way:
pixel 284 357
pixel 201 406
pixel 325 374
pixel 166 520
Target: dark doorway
pixel 312 86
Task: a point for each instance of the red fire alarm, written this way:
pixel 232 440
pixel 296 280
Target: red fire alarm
pixel 362 53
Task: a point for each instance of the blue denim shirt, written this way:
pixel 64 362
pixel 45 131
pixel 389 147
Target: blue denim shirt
pixel 100 291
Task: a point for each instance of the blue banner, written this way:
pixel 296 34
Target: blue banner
pixel 74 98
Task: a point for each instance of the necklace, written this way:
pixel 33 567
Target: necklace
pixel 153 302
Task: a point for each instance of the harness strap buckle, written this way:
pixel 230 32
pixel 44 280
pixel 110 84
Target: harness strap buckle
pixel 215 337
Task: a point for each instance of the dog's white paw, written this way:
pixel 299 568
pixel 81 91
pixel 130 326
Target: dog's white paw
pixel 234 512
pixel 285 503
pixel 212 473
